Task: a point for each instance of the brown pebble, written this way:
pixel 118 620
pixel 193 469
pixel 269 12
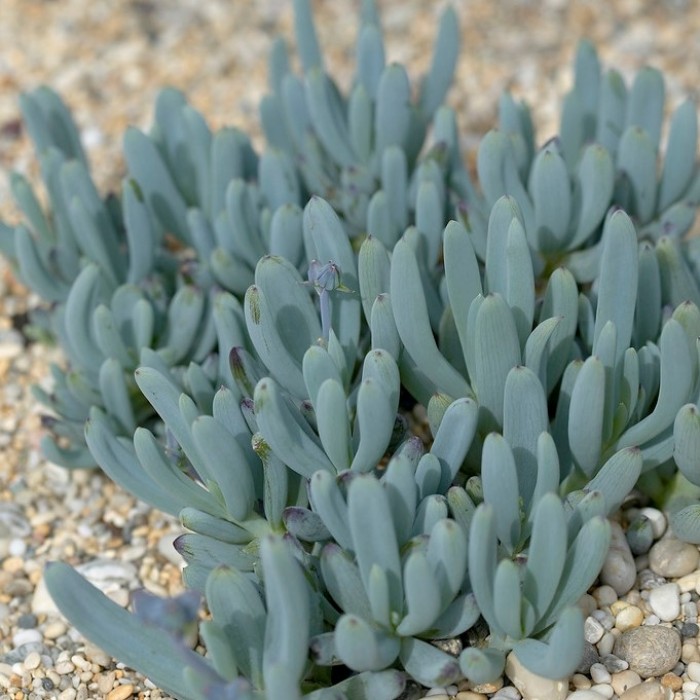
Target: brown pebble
pixel 13 565
pixel 121 693
pixel 672 681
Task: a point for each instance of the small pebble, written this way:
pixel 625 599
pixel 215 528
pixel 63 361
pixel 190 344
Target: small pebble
pixel 613 664
pixel 54 629
pixel 593 630
pixel 649 650
pixel 604 690
pixel 599 674
pixel 690 582
pixel 606 644
pixel 590 656
pixel 469 695
pixel 690 629
pixel 623 680
pixel 491 687
pixel 27 621
pixel 64 668
pixel 605 595
pixel 672 558
pixel 690 653
pixel 585 695
pixel 26 636
pixel 657 520
pixel 645 691
pixel 664 601
pixel 32 661
pixel 580 682
pixel 628 618
pixel 693 671
pixel 672 681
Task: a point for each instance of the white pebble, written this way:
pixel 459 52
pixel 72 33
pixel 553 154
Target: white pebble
pixel 651 621
pixel 693 671
pixel 17 547
pixel 600 674
pixel 585 695
pixel 691 686
pixel 689 582
pixel 25 637
pixel 664 601
pixel 657 520
pixel 604 690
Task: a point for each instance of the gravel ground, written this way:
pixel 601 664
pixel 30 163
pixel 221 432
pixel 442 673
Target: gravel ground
pixel 107 59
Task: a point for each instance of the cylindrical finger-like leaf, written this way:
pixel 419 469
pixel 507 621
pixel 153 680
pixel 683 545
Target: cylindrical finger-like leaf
pixel 369 513
pixel 586 410
pixel 362 647
pixel 286 433
pixel 686 446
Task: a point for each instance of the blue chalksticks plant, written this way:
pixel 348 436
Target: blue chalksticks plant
pixel 246 334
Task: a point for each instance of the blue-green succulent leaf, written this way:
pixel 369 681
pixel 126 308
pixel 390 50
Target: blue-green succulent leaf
pixel 236 605
pixel 686 442
pixel 343 581
pixel 676 385
pixel 617 477
pixel 561 654
pixel 679 163
pixel 427 664
pixel 72 593
pixel 283 429
pixel 363 647
pixel 333 425
pixel 482 665
pixel 546 554
pixel 499 479
pixel 413 323
pixel 586 412
pixel 368 513
pixel 453 439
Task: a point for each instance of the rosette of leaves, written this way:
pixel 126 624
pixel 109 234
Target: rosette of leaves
pixel 645 361
pixel 532 555
pixel 359 151
pixel 257 635
pixel 608 153
pixel 114 289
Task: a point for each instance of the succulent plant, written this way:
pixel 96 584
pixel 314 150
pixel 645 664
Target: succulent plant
pixel 359 151
pixel 242 333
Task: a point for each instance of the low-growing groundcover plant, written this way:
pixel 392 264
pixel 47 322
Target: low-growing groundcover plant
pixel 245 334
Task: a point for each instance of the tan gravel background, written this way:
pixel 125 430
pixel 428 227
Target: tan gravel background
pixel 108 58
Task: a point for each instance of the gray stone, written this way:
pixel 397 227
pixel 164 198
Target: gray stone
pixel 649 650
pixel 590 657
pixel 689 629
pixel 619 570
pixel 672 558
